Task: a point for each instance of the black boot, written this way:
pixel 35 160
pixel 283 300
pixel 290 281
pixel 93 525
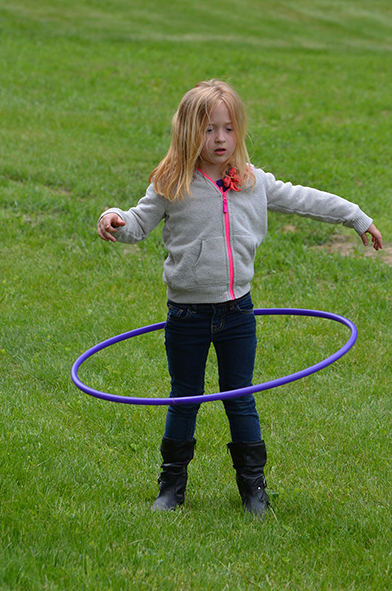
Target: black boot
pixel 172 481
pixel 249 460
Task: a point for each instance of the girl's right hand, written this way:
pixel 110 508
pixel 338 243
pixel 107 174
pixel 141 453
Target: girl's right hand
pixel 107 226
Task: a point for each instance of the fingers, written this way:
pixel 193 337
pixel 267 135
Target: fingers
pixel 365 239
pixel 376 237
pixel 107 226
pixel 377 244
pixel 104 229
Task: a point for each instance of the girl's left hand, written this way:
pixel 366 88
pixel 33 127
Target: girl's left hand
pixel 376 237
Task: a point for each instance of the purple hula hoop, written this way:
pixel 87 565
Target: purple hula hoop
pixel 221 395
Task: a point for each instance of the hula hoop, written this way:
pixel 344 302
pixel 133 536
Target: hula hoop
pixel 220 395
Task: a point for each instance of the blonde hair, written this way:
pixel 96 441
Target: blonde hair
pixel 173 176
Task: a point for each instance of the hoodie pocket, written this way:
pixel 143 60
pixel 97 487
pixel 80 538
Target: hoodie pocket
pixel 211 265
pixel 244 248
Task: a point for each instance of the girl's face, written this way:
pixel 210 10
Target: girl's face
pixel 219 143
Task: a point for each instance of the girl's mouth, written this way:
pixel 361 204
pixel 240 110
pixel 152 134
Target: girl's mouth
pixel 220 151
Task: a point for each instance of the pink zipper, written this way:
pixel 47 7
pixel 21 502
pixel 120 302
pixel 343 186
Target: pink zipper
pixel 228 243
pixel 227 234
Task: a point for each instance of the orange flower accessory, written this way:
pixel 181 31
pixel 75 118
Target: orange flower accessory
pixel 232 180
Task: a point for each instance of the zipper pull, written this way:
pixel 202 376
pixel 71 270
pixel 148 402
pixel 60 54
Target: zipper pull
pixel 225 206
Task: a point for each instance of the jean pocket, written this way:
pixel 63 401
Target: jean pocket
pixel 178 312
pixel 245 305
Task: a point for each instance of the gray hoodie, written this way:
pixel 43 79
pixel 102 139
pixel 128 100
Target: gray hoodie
pixel 212 236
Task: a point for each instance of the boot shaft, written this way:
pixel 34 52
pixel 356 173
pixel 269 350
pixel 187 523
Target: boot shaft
pixel 177 452
pixel 176 455
pixel 248 458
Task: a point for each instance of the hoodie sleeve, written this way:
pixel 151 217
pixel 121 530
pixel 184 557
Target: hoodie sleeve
pixel 319 205
pixel 141 219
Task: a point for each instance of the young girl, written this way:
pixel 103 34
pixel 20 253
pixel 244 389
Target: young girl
pixel 214 206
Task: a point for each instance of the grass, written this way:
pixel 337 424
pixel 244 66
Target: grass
pixel 87 91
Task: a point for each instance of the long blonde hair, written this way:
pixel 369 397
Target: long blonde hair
pixel 173 176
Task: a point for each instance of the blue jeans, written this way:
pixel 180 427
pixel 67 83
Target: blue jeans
pixel 189 332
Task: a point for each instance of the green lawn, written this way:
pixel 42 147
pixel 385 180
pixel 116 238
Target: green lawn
pixel 87 92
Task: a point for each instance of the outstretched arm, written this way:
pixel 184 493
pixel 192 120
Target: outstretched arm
pixel 376 237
